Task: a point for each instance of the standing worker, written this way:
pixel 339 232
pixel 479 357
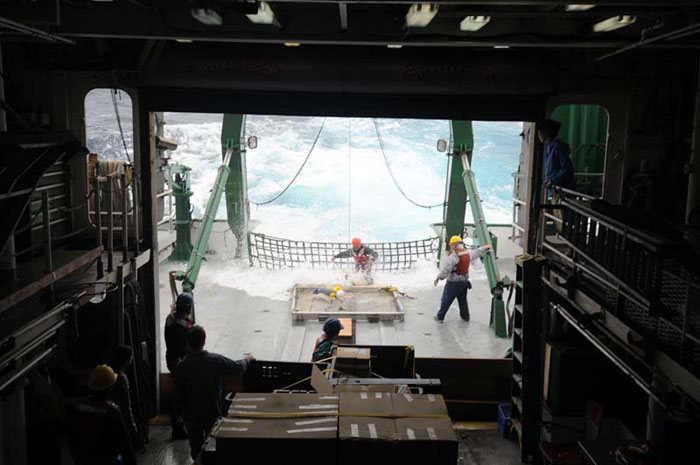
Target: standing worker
pixel 324 345
pixel 122 358
pixel 363 256
pixel 199 386
pixel 176 326
pixel 558 169
pixel 456 271
pixel 96 430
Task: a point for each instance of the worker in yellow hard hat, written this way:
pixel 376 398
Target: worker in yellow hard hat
pixel 363 256
pixel 456 271
pixel 96 429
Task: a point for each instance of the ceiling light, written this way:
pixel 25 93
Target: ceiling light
pixel 616 22
pixel 579 7
pixel 184 41
pixel 394 46
pixel 474 23
pixel 420 14
pixel 265 15
pixel 292 44
pixel 501 46
pixel 205 16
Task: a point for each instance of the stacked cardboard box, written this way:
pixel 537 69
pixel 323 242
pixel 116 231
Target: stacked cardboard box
pixel 347 428
pixel 354 361
pixel 262 429
pixel 377 427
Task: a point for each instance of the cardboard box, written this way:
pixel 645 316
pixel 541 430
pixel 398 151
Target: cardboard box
pixel 263 441
pixel 412 405
pixel 361 404
pixel 365 441
pixel 267 405
pixel 354 361
pixel 425 440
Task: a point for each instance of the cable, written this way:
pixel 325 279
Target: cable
pixel 113 93
pixel 349 180
pixel 391 173
pixel 257 204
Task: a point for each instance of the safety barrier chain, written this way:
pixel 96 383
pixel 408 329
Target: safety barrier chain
pixel 277 253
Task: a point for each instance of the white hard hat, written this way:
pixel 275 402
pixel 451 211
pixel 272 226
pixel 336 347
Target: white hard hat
pixel 340 293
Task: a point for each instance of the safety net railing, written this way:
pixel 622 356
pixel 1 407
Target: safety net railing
pixel 277 253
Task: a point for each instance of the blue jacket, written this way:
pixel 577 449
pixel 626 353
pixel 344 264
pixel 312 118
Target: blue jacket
pixel 557 164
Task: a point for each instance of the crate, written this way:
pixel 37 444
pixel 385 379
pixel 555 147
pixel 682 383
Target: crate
pixel 504 419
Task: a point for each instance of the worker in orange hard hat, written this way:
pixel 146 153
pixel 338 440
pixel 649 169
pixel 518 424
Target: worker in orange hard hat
pixel 363 255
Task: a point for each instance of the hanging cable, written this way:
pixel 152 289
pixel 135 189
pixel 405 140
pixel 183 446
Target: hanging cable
pixel 119 123
pixel 257 204
pixel 349 180
pixel 391 173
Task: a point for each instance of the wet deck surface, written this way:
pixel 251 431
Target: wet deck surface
pixel 239 321
pixel 481 447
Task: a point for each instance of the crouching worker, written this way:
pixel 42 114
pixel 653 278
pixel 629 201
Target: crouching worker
pixel 199 386
pixel 324 345
pixel 334 293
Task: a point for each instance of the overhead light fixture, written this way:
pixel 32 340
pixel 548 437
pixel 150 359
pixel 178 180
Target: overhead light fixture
pixel 579 7
pixel 206 16
pixel 265 15
pixel 394 46
pixel 292 44
pixel 614 23
pixel 501 46
pixel 184 41
pixel 420 14
pixel 474 23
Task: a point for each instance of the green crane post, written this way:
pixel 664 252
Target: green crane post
pixel 180 185
pixel 237 207
pixel 189 276
pixel 498 310
pixel 456 191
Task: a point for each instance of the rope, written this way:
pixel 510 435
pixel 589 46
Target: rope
pixel 257 204
pixel 113 93
pixel 391 173
pixel 349 180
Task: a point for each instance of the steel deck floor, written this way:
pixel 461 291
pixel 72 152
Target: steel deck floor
pixel 237 322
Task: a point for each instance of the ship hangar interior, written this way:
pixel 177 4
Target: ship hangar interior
pixel 604 333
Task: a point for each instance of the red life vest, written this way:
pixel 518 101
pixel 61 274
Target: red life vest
pixel 360 257
pixel 463 264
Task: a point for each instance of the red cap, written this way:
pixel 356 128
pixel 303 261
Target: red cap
pixel 356 242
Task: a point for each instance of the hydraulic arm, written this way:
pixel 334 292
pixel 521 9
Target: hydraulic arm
pixel 498 311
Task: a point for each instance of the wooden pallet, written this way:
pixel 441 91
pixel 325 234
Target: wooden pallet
pixel 372 303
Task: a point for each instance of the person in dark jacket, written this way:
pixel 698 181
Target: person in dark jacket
pixel 97 433
pixel 176 326
pixel 559 170
pixel 122 358
pixel 324 345
pixel 364 256
pixel 199 386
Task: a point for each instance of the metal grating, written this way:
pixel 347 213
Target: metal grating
pixel 277 253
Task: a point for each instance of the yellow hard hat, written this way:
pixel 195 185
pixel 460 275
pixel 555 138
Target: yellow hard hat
pixel 337 288
pixel 101 377
pixel 455 239
pixel 332 295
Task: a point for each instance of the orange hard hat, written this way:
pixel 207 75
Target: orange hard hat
pixel 356 242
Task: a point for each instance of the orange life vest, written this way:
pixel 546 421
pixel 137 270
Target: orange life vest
pixel 463 264
pixel 360 257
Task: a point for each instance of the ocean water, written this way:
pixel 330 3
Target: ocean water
pixel 345 189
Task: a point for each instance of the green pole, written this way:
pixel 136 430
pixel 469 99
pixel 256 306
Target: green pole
pixel 189 277
pixel 463 142
pixel 498 315
pixel 180 185
pixel 237 207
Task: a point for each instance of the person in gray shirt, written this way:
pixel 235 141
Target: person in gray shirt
pixel 456 271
